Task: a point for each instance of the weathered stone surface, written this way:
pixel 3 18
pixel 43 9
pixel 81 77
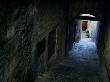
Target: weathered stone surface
pixel 23 26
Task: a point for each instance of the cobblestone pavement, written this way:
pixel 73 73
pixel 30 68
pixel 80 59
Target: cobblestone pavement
pixel 82 65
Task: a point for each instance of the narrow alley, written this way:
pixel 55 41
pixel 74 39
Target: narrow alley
pixel 82 65
pixel 54 41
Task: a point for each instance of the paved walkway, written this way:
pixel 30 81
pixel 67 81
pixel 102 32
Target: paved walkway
pixel 82 65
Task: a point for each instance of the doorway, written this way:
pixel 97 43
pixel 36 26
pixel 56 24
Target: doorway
pixel 87 30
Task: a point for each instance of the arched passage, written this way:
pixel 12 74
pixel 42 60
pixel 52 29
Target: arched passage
pixel 84 33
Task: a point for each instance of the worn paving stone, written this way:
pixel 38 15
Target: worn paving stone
pixel 82 65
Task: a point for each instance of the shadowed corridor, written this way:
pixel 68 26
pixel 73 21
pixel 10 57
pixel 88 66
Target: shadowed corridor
pixel 82 65
pixel 54 41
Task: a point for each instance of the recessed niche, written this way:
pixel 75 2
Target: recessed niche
pixel 41 47
pixel 51 43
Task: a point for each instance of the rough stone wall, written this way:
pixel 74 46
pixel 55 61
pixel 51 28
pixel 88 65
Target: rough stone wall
pixel 22 26
pixel 16 41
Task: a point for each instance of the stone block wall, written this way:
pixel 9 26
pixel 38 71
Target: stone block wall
pixel 24 28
